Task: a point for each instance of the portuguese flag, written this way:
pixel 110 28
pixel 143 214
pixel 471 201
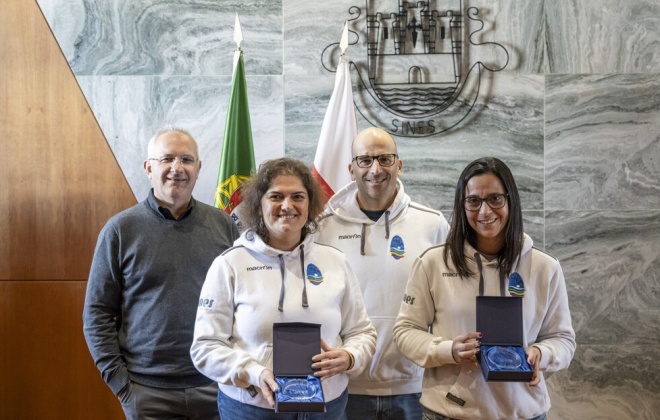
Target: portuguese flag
pixel 237 161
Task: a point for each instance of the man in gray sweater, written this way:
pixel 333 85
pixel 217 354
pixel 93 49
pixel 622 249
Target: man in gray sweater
pixel 149 265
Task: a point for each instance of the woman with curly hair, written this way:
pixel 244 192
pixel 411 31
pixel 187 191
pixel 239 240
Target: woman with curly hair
pixel 276 273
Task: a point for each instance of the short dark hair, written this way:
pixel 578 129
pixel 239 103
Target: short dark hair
pixel 257 186
pixel 460 229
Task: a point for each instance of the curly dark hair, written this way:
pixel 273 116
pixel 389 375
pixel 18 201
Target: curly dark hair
pixel 460 229
pixel 256 187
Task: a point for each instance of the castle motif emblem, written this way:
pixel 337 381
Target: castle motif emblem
pixel 416 75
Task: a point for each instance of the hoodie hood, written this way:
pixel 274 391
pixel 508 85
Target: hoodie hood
pixel 344 204
pixel 476 258
pixel 253 242
pixel 250 240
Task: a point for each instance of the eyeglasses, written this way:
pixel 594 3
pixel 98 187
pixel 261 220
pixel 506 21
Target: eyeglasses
pixel 365 161
pixel 494 201
pixel 169 160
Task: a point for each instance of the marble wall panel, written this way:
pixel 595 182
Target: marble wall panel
pixel 534 226
pixel 308 28
pixel 150 37
pixel 603 36
pixel 518 26
pixel 130 109
pixel 607 382
pixel 611 261
pixel 602 141
pixel 306 100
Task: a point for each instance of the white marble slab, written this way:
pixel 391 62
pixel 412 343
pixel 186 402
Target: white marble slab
pixel 602 141
pixel 607 382
pixel 151 37
pixel 611 261
pixel 603 36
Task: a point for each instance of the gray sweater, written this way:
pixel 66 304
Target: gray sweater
pixel 143 291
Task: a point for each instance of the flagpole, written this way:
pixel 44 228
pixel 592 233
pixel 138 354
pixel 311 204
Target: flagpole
pixel 343 44
pixel 238 38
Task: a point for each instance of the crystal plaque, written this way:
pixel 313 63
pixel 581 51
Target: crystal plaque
pixel 504 358
pixel 299 389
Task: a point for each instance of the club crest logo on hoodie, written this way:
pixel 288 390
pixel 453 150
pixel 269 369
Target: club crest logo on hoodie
pixel 516 285
pixel 397 250
pixel 314 275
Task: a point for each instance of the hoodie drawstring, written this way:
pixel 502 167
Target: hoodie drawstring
pixel 305 304
pixel 302 271
pixel 364 229
pixel 280 306
pixel 477 258
pixel 387 224
pixel 501 286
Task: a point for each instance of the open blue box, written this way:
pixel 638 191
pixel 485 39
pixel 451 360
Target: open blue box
pixel 502 356
pixel 294 345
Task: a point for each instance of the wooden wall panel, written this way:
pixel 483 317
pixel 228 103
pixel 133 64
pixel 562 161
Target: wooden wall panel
pixel 63 180
pixel 46 371
pixel 60 184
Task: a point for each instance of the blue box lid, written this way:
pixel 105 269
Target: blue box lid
pixel 500 320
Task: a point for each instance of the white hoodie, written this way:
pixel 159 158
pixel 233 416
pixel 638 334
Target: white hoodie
pixel 441 306
pixel 382 254
pixel 239 301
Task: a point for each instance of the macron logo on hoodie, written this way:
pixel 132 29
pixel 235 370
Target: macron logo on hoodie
pixel 354 236
pixel 259 267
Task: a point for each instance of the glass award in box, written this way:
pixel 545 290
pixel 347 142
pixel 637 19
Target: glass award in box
pixel 294 345
pixel 502 356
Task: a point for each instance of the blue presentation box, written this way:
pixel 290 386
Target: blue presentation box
pixel 294 345
pixel 502 356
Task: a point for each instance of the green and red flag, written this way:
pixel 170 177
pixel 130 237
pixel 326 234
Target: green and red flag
pixel 237 161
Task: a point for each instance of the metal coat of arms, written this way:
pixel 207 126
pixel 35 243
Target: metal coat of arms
pixel 420 70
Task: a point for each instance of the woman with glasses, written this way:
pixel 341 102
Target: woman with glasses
pixel 277 273
pixel 437 319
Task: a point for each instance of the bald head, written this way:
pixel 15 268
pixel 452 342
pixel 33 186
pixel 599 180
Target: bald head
pixel 377 170
pixel 371 135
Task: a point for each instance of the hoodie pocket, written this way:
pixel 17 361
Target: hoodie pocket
pixel 388 364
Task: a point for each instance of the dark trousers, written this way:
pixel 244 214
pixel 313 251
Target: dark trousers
pixel 146 403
